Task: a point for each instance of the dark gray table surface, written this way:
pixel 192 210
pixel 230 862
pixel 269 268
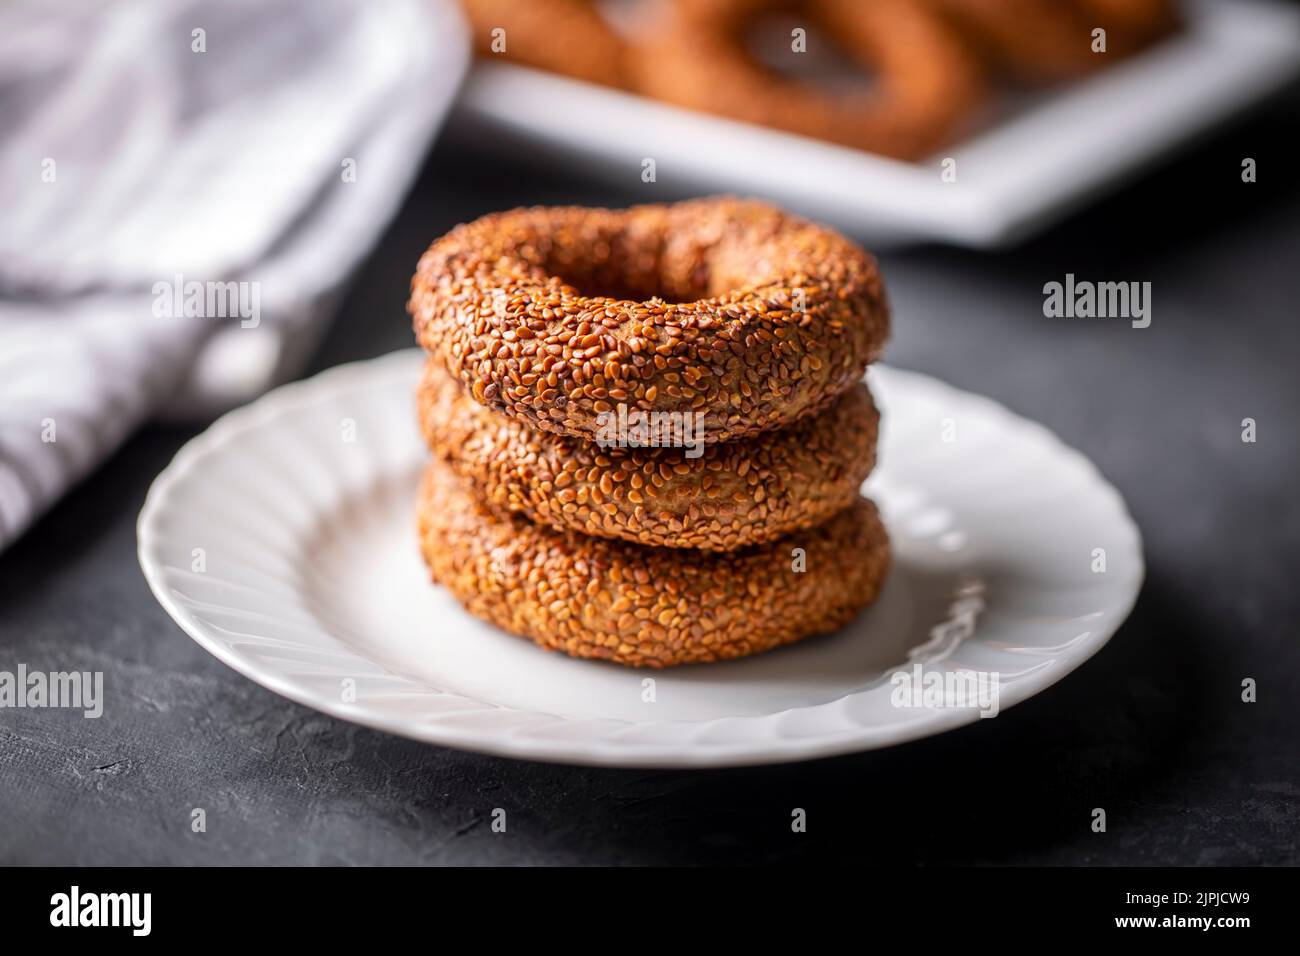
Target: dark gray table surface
pixel 1153 729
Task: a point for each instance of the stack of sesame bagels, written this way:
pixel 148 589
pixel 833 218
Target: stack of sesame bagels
pixel 649 427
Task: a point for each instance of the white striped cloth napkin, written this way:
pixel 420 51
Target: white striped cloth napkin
pixel 185 186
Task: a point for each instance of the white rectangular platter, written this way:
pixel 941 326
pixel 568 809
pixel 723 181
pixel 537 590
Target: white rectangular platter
pixel 1048 155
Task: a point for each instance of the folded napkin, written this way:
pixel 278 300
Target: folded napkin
pixel 186 186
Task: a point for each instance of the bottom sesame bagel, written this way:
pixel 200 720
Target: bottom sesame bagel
pixel 642 606
pixel 712 496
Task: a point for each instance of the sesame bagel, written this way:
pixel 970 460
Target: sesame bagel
pixel 647 607
pixel 564 36
pixel 731 495
pixel 926 79
pixel 1042 41
pixel 727 307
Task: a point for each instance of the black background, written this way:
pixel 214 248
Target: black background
pixel 1153 729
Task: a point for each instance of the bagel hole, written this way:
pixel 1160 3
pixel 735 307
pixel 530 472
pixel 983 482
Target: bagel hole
pixel 632 275
pixel 768 40
pixel 628 18
pixel 613 284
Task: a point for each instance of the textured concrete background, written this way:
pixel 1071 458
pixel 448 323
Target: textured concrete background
pixel 1152 729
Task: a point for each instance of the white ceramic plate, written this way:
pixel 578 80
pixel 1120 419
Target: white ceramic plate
pixel 1048 155
pixel 283 541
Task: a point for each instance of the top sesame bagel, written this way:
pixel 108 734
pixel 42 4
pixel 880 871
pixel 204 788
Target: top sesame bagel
pixel 725 308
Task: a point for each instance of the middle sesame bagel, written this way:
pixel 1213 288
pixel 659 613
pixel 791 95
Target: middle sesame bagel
pixel 730 495
pixel 726 307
